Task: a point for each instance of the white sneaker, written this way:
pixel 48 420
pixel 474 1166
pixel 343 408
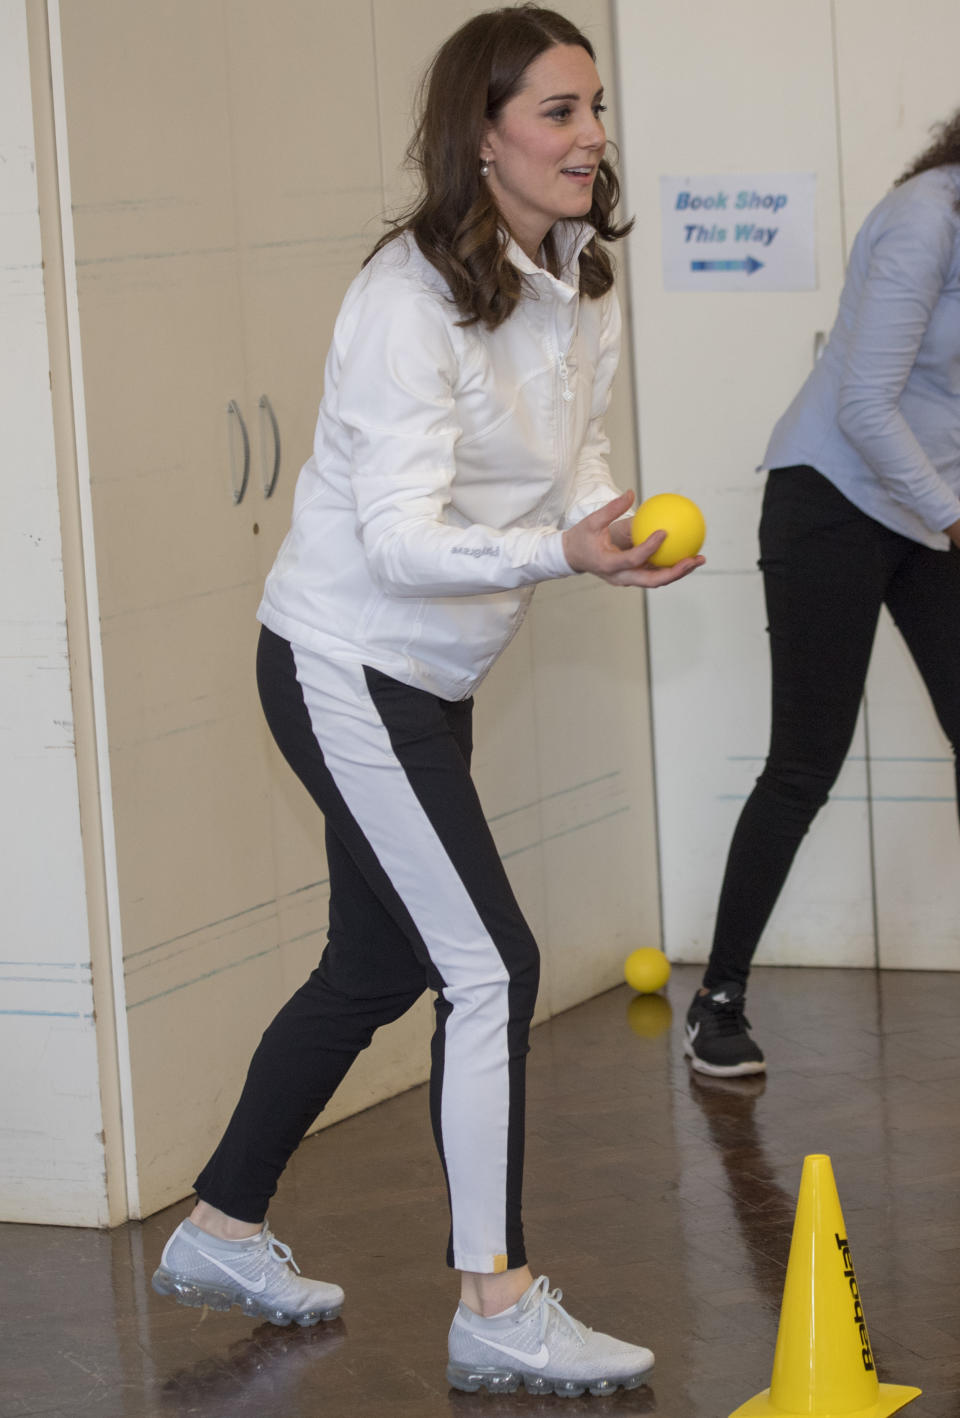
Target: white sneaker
pixel 538 1343
pixel 200 1269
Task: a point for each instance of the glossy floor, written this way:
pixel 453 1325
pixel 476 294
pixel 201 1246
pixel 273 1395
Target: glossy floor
pixel 661 1202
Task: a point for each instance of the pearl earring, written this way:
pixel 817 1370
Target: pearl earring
pixel 484 168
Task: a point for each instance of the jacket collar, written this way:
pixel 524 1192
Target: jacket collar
pixel 571 237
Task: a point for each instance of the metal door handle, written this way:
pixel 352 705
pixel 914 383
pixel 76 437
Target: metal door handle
pixel 235 422
pixel 819 340
pixel 269 481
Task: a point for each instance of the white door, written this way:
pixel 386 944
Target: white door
pixel 307 206
pixel 159 286
pixel 749 89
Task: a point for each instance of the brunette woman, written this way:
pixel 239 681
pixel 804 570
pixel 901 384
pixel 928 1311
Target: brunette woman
pixel 460 458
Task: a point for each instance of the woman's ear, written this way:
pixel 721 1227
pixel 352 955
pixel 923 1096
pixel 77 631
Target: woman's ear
pixel 486 149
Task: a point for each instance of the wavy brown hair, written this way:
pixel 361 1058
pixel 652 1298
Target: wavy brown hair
pixel 455 220
pixel 944 149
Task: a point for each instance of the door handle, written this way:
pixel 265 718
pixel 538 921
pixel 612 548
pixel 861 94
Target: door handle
pixel 269 480
pixel 239 446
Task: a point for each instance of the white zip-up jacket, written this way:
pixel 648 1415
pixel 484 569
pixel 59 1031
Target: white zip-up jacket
pixel 447 462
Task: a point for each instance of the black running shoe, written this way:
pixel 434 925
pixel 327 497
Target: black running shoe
pixel 718 1039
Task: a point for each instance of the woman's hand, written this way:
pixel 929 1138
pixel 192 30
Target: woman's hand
pixel 953 532
pixel 602 545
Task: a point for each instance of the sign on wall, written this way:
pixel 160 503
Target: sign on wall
pixel 739 232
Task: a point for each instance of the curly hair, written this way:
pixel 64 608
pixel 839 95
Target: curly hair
pixel 945 148
pixel 455 220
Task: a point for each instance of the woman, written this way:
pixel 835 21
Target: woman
pixel 861 509
pixel 459 459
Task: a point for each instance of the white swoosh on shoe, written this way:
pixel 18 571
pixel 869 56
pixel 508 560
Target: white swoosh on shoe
pixel 254 1286
pixel 538 1360
pixel 693 1030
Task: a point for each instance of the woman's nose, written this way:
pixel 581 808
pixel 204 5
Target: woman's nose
pixel 594 134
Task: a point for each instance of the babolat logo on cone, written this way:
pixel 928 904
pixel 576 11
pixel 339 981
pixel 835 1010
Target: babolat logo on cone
pixel 849 1274
pixel 823 1365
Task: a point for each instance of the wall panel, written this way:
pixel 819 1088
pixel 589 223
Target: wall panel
pixel 719 91
pixel 52 1157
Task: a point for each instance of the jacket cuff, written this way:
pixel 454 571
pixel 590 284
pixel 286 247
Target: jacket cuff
pixel 554 562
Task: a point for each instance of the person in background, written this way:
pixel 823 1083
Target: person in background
pixel 861 509
pixel 460 458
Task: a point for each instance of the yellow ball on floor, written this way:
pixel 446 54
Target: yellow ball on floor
pixel 646 970
pixel 680 518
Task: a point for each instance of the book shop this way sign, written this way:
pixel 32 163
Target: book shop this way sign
pixel 739 232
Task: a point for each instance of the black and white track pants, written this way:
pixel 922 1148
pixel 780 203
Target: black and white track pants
pixel 418 898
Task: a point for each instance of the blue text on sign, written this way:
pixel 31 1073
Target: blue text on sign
pixel 745 201
pixel 769 201
pixel 743 231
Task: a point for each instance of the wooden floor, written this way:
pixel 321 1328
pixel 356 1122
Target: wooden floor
pixel 662 1203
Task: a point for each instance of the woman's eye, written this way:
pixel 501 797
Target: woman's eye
pixel 560 115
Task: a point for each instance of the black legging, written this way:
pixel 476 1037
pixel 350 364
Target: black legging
pixel 419 899
pixel 827 570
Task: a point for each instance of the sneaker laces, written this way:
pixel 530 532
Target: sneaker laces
pixel 280 1251
pixel 549 1303
pixel 729 1016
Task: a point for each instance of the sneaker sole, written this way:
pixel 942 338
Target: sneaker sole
pixel 724 1070
pixel 188 1292
pixel 472 1379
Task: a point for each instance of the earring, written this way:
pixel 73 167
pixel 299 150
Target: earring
pixel 484 168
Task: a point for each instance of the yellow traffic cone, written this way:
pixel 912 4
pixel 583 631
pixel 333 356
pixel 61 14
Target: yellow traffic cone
pixel 823 1364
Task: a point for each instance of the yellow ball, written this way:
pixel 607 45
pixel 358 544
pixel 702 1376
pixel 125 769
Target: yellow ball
pixel 646 970
pixel 680 518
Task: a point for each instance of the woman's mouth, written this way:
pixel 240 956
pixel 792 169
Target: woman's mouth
pixel 583 174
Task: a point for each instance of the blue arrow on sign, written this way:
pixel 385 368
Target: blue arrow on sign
pixel 749 265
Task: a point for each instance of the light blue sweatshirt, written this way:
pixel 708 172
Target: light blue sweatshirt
pixel 880 413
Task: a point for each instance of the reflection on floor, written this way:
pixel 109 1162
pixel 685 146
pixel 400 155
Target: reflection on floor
pixel 661 1202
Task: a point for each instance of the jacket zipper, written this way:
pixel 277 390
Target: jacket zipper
pixel 566 391
pixel 566 394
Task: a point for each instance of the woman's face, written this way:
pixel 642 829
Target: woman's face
pixel 545 147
